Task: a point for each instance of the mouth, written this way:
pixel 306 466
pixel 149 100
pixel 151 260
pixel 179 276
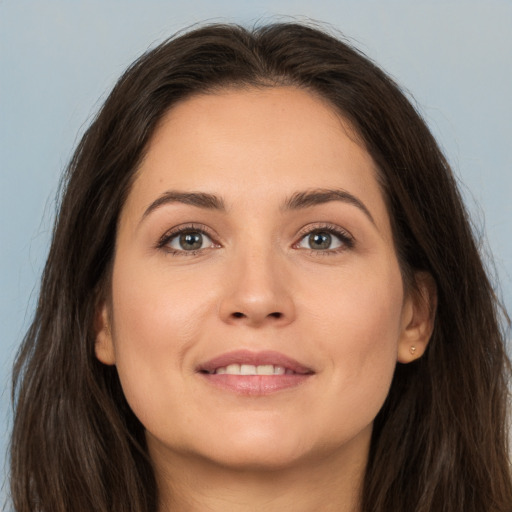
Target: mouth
pixel 251 369
pixel 254 373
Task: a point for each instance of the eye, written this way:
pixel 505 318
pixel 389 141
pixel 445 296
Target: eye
pixel 186 240
pixel 320 240
pixel 325 239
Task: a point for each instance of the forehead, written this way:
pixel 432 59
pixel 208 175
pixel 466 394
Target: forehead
pixel 255 145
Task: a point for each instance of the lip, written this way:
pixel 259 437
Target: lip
pixel 254 385
pixel 254 358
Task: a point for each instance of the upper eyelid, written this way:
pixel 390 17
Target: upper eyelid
pixel 177 230
pixel 344 236
pixel 326 226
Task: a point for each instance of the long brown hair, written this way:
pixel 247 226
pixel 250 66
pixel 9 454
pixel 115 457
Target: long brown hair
pixel 440 441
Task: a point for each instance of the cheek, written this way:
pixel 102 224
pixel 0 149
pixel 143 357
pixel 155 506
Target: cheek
pixel 156 309
pixel 358 330
pixel 361 307
pixel 155 322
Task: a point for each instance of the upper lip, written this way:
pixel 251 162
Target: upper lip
pixel 266 357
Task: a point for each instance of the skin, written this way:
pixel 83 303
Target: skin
pixel 257 284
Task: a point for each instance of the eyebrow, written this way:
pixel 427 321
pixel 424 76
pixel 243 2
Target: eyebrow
pixel 199 199
pixel 315 197
pixel 297 201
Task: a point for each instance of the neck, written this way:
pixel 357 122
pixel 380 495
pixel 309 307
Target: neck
pixel 329 482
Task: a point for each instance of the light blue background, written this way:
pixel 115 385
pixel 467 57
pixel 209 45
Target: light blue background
pixel 59 58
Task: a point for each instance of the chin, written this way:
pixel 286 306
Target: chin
pixel 240 450
pixel 258 451
pixel 259 458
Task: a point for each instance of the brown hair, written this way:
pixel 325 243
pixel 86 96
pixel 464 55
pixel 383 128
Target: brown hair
pixel 440 441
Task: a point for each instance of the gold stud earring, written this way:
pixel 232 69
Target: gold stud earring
pixel 412 350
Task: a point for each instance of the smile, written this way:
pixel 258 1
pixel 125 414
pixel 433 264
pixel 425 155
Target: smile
pixel 254 373
pixel 250 369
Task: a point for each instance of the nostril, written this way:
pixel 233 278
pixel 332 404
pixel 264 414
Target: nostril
pixel 275 314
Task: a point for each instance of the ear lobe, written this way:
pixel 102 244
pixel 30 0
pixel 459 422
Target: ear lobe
pixel 418 316
pixel 104 345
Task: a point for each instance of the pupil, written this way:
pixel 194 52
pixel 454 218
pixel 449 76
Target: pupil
pixel 191 241
pixel 320 240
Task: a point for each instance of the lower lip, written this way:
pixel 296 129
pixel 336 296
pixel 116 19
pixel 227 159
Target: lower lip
pixel 255 385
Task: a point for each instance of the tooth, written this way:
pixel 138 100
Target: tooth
pixel 265 369
pixel 250 369
pixel 247 369
pixel 233 369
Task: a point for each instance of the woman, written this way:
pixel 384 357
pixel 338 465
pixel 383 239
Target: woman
pixel 262 293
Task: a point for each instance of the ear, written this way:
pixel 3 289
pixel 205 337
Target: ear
pixel 418 316
pixel 104 345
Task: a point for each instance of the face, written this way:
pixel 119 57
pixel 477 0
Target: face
pixel 257 309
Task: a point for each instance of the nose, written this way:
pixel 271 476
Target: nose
pixel 258 291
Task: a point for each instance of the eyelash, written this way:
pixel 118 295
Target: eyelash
pixel 179 230
pixel 343 236
pixel 346 239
